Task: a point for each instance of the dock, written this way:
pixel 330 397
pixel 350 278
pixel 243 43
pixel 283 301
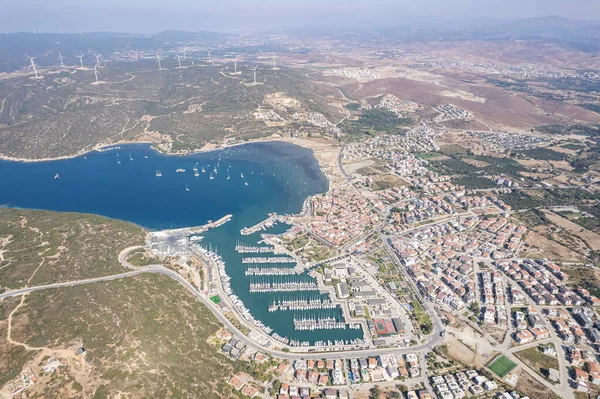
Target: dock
pixel 196 229
pixel 265 224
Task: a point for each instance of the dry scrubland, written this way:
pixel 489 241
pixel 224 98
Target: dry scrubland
pixel 41 247
pixel 145 335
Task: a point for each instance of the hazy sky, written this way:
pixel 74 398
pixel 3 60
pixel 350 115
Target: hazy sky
pixel 147 16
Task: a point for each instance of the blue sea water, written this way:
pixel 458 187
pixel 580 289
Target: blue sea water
pixel 122 184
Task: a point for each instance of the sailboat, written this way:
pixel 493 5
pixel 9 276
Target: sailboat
pixel 158 173
pixel 187 188
pixel 212 177
pixel 246 183
pixel 130 158
pixel 227 176
pixel 242 175
pixel 215 170
pixel 203 170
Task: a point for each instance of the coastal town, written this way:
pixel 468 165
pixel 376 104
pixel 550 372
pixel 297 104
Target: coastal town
pixel 405 260
pixel 340 217
pixel 403 263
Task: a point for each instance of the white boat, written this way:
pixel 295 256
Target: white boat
pixel 146 156
pixel 196 174
pixel 227 177
pixel 130 158
pixel 242 175
pixel 56 177
pixel 246 183
pixel 158 173
pixel 212 177
pixel 187 188
pixel 203 170
pixel 119 161
pixel 180 170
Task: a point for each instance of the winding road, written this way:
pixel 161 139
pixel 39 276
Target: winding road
pixel 435 338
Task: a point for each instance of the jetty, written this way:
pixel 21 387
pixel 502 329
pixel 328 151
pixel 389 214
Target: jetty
pixel 253 249
pixel 265 224
pixel 321 323
pixel 283 285
pixel 271 259
pixel 301 304
pixel 271 271
pixel 196 229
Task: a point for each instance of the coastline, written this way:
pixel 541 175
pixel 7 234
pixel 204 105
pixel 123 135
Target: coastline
pixel 318 146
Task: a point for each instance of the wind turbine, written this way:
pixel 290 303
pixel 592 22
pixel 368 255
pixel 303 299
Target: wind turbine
pixel 274 65
pixel 255 73
pixel 184 53
pixel 136 55
pixel 98 59
pixel 179 60
pixel 32 64
pixel 96 73
pixel 235 72
pixel 158 62
pixel 80 59
pixel 61 58
pixel 209 51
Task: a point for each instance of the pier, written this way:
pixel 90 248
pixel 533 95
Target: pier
pixel 284 285
pixel 272 259
pixel 321 323
pixel 265 224
pixel 301 304
pixel 271 271
pixel 249 249
pixel 195 229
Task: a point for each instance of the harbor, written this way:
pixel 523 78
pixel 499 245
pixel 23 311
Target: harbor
pixel 204 221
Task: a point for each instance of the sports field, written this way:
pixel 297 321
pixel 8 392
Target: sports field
pixel 215 298
pixel 502 366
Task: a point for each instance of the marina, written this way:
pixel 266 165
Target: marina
pixel 194 220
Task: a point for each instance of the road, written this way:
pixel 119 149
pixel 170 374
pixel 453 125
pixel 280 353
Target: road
pixel 158 269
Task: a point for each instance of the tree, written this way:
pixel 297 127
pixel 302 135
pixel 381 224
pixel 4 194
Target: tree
pixel 375 392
